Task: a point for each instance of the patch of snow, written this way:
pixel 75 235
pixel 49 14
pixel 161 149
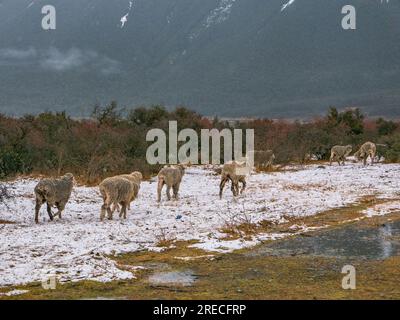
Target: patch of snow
pixel 218 15
pixel 13 293
pixel 207 256
pixel 80 246
pixel 383 209
pixel 287 4
pixel 124 19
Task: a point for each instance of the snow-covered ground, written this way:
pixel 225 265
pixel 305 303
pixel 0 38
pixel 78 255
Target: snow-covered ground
pixel 74 248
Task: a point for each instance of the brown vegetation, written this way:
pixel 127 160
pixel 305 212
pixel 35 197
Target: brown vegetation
pixel 112 142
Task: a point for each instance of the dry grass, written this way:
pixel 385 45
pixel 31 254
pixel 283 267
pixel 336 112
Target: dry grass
pixel 241 226
pixel 242 275
pixel 237 276
pixel 164 239
pixel 6 222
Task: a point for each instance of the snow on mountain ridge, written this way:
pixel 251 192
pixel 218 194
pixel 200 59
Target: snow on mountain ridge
pixel 290 2
pixel 287 4
pixel 218 15
pixel 221 13
pixel 124 19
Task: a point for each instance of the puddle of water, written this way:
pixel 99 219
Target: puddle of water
pixel 182 278
pixel 347 242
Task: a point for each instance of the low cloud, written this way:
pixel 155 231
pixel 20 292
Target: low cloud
pixel 57 60
pixel 11 56
pixel 74 58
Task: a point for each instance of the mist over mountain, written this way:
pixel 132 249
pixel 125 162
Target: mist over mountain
pixel 275 58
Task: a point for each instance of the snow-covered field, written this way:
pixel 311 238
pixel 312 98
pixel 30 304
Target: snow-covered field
pixel 74 248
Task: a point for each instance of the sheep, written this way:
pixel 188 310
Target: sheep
pixel 55 192
pixel 236 172
pixel 172 177
pixel 134 177
pixel 263 158
pixel 339 153
pixel 368 149
pixel 116 190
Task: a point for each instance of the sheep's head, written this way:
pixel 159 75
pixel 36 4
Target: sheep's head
pixel 349 149
pixel 138 175
pixel 69 176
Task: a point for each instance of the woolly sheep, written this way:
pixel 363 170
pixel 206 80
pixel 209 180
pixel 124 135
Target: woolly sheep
pixel 116 190
pixel 339 153
pixel 55 192
pixel 235 172
pixel 368 149
pixel 172 177
pixel 263 158
pixel 134 177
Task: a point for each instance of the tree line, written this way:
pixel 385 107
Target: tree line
pixel 113 140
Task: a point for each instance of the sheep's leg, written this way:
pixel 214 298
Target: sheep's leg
pixel 60 208
pixel 221 186
pixel 175 189
pixel 37 209
pixel 105 207
pixel 235 188
pixel 123 210
pixel 159 188
pixel 168 192
pixel 49 212
pixel 372 157
pixel 109 214
pixel 331 158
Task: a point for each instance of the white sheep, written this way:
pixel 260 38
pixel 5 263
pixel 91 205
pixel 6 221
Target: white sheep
pixel 172 177
pixel 56 192
pixel 368 149
pixel 134 177
pixel 235 172
pixel 116 191
pixel 339 153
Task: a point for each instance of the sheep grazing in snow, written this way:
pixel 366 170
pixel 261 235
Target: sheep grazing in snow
pixel 235 172
pixel 172 177
pixel 134 177
pixel 339 153
pixel 117 191
pixel 55 192
pixel 368 149
pixel 263 159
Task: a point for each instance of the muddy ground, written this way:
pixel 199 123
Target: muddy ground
pixel 306 266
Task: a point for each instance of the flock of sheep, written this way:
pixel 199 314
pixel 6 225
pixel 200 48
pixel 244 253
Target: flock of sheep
pixel 119 191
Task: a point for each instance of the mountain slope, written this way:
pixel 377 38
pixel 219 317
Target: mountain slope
pixel 224 57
